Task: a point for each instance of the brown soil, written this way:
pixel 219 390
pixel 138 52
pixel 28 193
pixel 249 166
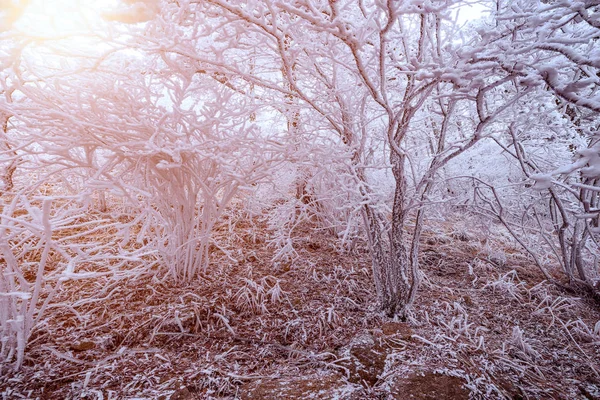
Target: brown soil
pixel 430 386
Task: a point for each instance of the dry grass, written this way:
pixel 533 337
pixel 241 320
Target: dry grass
pixel 482 315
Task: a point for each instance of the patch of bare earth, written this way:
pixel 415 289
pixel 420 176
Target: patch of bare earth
pixel 484 326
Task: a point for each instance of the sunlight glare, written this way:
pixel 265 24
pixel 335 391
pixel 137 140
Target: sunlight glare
pixel 55 19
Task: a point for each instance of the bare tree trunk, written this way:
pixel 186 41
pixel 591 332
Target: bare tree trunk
pixel 5 147
pixel 396 298
pixel 394 272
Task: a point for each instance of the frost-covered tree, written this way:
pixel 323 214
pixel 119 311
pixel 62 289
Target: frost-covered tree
pixel 176 108
pixel 374 77
pixel 116 139
pixel 552 46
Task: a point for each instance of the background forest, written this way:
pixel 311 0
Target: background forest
pixel 284 199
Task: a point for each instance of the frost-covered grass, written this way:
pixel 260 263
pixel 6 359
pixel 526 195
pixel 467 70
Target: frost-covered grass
pixel 141 335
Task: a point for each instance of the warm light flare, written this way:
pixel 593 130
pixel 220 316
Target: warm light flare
pixel 54 19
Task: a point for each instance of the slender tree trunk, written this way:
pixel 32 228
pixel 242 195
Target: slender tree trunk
pixel 7 174
pixel 397 280
pixel 393 270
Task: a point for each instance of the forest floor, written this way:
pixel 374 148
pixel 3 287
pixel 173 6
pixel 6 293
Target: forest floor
pixel 485 325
